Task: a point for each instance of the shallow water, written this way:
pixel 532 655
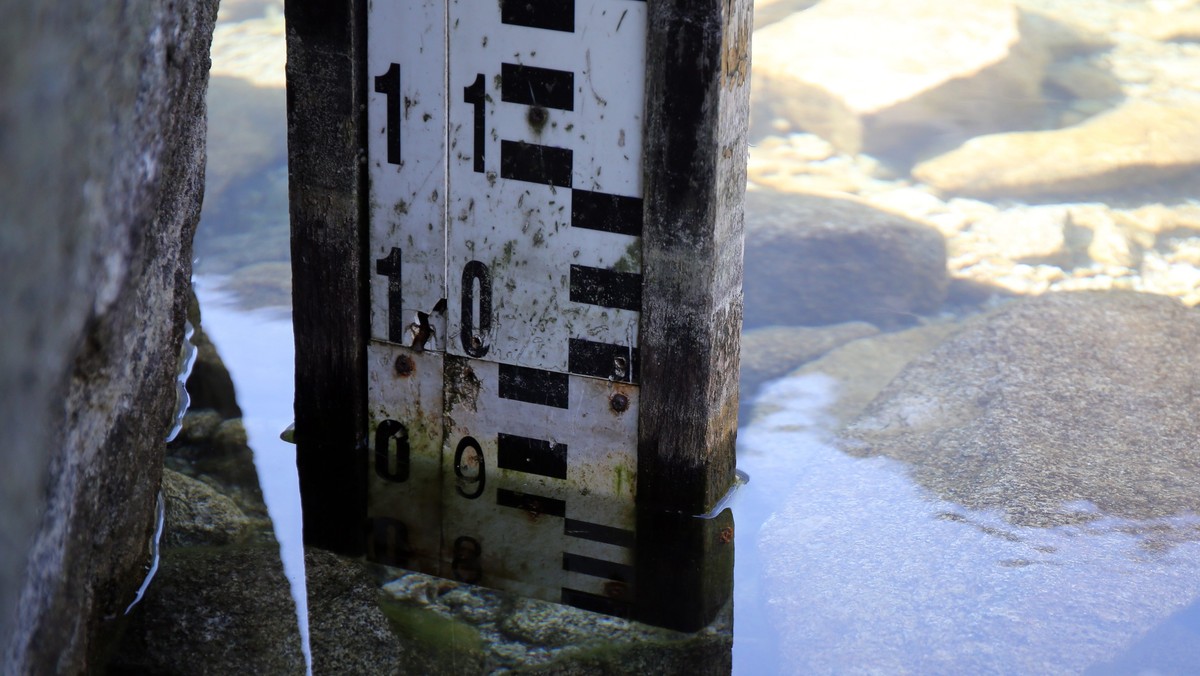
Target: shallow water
pixel 844 564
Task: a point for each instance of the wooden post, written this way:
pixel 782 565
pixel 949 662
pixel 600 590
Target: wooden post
pixel 327 195
pixel 697 107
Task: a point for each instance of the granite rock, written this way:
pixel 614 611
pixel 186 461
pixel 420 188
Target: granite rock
pixel 214 610
pixel 1049 403
pixel 102 149
pixel 196 514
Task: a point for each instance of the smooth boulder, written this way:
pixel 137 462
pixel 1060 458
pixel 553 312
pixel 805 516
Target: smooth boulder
pixel 813 260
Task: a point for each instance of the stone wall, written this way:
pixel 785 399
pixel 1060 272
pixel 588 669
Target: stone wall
pixel 101 177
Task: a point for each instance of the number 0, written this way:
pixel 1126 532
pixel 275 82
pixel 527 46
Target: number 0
pixel 472 336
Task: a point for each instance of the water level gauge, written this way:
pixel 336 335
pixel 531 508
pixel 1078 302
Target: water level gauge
pixel 551 278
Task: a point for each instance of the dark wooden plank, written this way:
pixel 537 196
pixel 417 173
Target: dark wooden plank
pixel 697 88
pixel 327 186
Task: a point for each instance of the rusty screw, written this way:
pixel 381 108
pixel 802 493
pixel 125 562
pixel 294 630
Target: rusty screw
pixel 404 366
pixel 618 402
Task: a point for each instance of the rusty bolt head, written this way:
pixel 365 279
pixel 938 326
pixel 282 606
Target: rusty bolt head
pixel 404 366
pixel 726 535
pixel 618 402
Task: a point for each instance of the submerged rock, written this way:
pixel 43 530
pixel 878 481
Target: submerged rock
pixel 1030 483
pixel 877 76
pixel 351 633
pixel 860 369
pixel 1140 142
pixel 772 351
pixel 814 260
pixel 214 610
pixel 1051 409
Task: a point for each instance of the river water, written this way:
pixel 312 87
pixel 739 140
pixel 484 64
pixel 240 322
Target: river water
pixel 1074 558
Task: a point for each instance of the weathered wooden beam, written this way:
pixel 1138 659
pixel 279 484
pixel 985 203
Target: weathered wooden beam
pixel 328 198
pixel 697 105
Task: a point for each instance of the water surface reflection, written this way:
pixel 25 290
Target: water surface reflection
pixel 862 570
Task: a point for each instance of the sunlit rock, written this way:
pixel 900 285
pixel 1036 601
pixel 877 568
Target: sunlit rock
pixel 1140 142
pixel 1110 241
pixel 814 260
pixel 1023 235
pixel 1053 400
pixel 876 75
pixel 769 11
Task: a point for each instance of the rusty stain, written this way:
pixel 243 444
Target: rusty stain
pixel 726 535
pixel 405 366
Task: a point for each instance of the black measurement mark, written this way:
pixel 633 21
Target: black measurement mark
pixel 534 504
pixel 389 84
pixel 534 386
pixel 552 15
pixel 472 336
pixel 387 541
pixel 602 360
pixel 534 86
pixel 392 451
pixel 607 288
pixel 532 456
pixel 577 563
pixel 609 213
pixel 470 469
pixel 595 603
pixel 390 267
pixel 476 96
pixel 544 165
pixel 598 533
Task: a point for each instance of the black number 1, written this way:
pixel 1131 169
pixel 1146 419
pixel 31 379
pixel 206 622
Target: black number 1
pixel 475 95
pixel 391 266
pixel 389 84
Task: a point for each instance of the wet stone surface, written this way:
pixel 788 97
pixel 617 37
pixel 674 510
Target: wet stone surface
pixel 1067 399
